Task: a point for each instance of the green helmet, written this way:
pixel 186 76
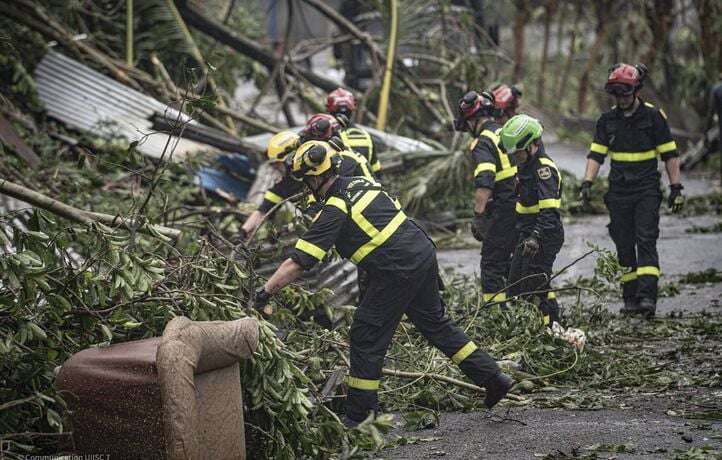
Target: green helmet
pixel 519 132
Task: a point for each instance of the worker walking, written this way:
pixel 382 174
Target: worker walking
pixel 341 104
pixel 541 233
pixel 494 221
pixel 368 227
pixel 634 133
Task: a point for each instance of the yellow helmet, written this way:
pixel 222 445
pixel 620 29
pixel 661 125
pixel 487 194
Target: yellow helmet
pixel 312 158
pixel 281 144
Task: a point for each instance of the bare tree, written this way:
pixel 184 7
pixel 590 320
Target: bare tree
pixel 602 12
pixel 522 16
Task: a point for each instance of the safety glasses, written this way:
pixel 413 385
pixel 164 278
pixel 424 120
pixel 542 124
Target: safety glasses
pixel 619 89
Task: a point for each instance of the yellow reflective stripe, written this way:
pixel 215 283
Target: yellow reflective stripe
pixel 310 249
pixel 551 295
pixel 272 197
pixel 495 297
pixel 481 167
pixel 550 203
pixel 362 384
pixel 547 320
pixel 634 156
pixel 491 135
pixel 360 160
pixel 357 210
pixel 380 238
pixel 376 167
pixel 667 147
pixel 337 202
pixel 627 277
pixel 473 143
pixel 464 352
pixel 505 174
pixel 599 148
pixel 521 209
pixel 648 270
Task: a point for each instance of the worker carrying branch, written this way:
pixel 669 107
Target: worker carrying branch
pixel 541 233
pixel 494 221
pixel 368 227
pixel 634 133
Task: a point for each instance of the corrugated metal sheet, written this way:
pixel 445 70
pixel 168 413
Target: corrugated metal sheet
pixel 387 141
pixel 87 100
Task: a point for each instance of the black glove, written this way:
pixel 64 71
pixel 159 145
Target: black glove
pixel 530 246
pixel 676 199
pixel 480 225
pixel 260 302
pixel 585 192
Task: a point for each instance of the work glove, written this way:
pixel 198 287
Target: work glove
pixel 260 302
pixel 480 225
pixel 530 246
pixel 676 199
pixel 585 192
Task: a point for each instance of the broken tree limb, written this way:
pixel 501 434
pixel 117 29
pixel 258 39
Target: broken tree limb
pixel 80 215
pixel 440 378
pixel 9 137
pixel 245 46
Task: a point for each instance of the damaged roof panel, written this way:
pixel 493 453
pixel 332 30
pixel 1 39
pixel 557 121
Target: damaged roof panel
pixel 87 100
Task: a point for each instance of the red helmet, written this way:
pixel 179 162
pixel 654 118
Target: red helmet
pixel 625 79
pixel 473 105
pixel 506 97
pixel 340 100
pixel 321 127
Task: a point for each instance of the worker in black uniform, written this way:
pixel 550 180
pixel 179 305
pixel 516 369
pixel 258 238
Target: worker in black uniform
pixel 341 104
pixel 541 233
pixel 368 227
pixel 494 221
pixel 321 127
pixel 506 102
pixel 634 133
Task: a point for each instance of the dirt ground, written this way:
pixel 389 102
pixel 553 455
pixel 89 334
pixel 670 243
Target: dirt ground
pixel 659 425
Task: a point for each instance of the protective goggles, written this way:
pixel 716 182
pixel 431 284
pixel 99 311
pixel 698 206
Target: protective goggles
pixel 619 89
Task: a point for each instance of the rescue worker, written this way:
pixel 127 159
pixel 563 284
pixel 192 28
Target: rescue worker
pixel 634 133
pixel 368 227
pixel 341 104
pixel 495 193
pixel 506 102
pixel 541 233
pixel 323 127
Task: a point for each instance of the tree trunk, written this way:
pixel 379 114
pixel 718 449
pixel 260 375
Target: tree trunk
pixel 549 12
pixel 710 39
pixel 571 54
pixel 245 46
pixel 602 11
pixel 521 17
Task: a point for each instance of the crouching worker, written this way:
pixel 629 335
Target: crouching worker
pixel 368 227
pixel 541 233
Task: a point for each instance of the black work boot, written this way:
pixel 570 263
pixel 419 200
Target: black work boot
pixel 647 307
pixel 631 306
pixel 496 388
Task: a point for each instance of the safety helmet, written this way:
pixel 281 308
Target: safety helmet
pixel 506 97
pixel 281 144
pixel 340 100
pixel 473 105
pixel 625 79
pixel 312 158
pixel 519 132
pixel 321 127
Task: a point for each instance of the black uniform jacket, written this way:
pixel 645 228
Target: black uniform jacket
pixel 633 143
pixel 367 227
pixel 492 168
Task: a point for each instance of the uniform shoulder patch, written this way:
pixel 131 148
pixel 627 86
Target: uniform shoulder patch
pixel 545 172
